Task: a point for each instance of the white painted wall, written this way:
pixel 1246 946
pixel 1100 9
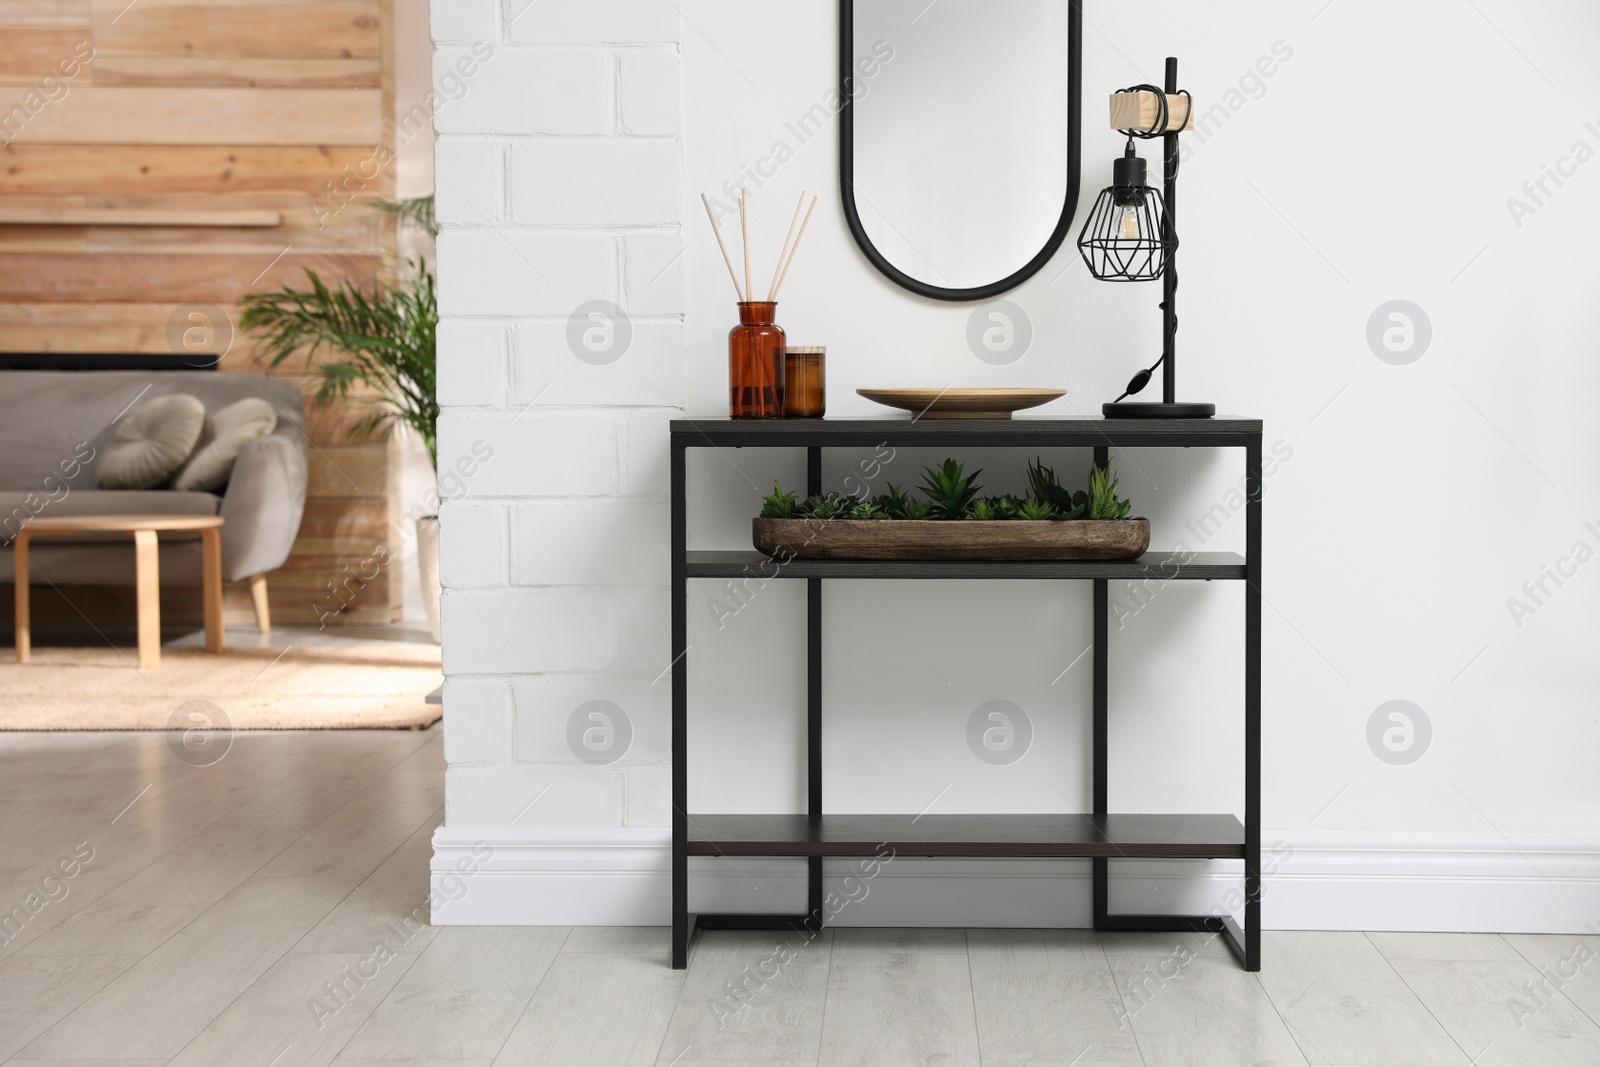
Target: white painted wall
pixel 1410 503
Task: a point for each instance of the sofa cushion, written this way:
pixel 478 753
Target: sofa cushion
pixel 17 507
pixel 53 424
pixel 151 442
pixel 225 436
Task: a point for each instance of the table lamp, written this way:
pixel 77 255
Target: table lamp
pixel 1131 234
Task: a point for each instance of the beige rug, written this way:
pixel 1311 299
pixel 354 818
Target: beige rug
pixel 303 688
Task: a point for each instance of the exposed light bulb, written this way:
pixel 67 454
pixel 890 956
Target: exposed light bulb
pixel 1129 223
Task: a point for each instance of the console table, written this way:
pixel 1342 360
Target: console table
pixel 1099 834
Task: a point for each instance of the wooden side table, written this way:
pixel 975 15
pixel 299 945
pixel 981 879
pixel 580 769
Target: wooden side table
pixel 147 571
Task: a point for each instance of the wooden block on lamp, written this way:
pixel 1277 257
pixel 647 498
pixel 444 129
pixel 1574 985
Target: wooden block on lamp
pixel 1142 111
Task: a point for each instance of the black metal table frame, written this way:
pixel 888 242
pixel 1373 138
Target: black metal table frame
pixel 1099 434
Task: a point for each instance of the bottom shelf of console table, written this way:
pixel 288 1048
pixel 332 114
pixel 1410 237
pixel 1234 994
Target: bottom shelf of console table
pixel 1044 835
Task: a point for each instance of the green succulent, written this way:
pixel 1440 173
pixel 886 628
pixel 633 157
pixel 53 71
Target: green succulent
pixel 895 502
pixel 1041 479
pixel 1037 511
pixel 825 506
pixel 779 505
pixel 950 490
pixel 998 508
pixel 1047 490
pixel 1102 496
pixel 953 494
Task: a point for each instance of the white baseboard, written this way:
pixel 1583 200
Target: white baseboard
pixel 496 876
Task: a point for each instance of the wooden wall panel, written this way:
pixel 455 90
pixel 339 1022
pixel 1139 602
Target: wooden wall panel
pixel 44 239
pixel 348 527
pixel 251 241
pixel 46 170
pixel 98 228
pixel 312 28
pixel 300 592
pixel 31 52
pixel 182 116
pixel 198 107
pixel 44 327
pixel 129 328
pixel 294 212
pixel 233 70
pixel 330 422
pixel 65 213
pixel 136 278
pixel 342 471
pixel 45 12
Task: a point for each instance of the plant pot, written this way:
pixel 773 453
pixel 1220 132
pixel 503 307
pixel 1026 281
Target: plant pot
pixel 428 569
pixel 967 539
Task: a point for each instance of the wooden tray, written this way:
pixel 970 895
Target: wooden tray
pixel 963 540
pixel 962 403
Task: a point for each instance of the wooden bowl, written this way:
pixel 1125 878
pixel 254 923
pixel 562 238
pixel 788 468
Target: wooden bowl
pixel 962 403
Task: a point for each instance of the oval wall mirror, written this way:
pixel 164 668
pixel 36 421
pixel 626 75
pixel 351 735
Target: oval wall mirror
pixel 959 138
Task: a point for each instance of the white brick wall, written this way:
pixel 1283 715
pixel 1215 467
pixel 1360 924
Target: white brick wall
pixel 479 737
pixel 570 473
pixel 592 22
pixel 541 737
pixel 591 544
pixel 527 631
pixel 649 374
pixel 481 381
pixel 456 21
pixel 500 270
pixel 559 165
pixel 649 92
pixel 470 184
pixel 596 183
pixel 652 273
pixel 526 91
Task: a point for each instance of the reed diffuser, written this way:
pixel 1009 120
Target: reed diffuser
pixel 756 347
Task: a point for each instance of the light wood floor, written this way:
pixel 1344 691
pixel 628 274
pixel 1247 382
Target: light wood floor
pixel 229 915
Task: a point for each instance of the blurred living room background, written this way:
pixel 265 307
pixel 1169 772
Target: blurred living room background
pixel 162 159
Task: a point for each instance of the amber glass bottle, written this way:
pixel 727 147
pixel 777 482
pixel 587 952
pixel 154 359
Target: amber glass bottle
pixel 755 363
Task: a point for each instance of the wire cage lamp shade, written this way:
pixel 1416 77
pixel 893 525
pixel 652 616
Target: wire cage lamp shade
pixel 1126 237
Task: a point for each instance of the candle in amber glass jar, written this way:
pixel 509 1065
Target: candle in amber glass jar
pixel 805 383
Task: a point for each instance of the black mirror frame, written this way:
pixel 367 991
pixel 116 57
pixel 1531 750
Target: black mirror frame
pixel 847 195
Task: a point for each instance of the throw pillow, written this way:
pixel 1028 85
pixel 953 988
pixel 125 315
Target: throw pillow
pixel 225 436
pixel 151 443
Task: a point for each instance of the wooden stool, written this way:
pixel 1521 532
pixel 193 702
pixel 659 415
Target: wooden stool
pixel 147 571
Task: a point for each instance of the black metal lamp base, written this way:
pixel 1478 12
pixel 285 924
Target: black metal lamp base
pixel 1129 409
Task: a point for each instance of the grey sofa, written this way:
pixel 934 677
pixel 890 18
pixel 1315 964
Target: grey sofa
pixel 54 423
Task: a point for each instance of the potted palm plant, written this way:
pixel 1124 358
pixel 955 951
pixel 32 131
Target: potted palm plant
pixel 382 338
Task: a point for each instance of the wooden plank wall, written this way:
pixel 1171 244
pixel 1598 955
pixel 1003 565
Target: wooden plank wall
pixel 201 106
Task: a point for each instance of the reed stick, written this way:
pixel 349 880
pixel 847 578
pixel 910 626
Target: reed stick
pixel 797 239
pixel 759 372
pixel 744 229
pixel 772 290
pixel 725 257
